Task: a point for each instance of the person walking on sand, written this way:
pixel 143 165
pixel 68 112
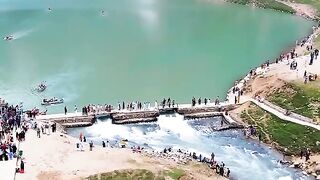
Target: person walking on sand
pixel 80 137
pixel 108 144
pixel 22 167
pixel 311 58
pixel 212 157
pixel 91 145
pixel 75 109
pixel 65 110
pixel 316 53
pixel 228 172
pixel 38 132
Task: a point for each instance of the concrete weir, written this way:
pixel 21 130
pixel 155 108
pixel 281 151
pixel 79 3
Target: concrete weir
pixel 137 116
pixel 134 117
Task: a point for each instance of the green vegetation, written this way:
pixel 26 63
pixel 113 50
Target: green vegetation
pixel 289 137
pixel 138 174
pixel 266 4
pixel 303 99
pixel 175 174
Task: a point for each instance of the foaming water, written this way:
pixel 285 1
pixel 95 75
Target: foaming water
pixel 21 34
pixel 241 155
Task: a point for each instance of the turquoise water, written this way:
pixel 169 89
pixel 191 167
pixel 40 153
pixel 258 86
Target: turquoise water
pixel 145 50
pixel 138 50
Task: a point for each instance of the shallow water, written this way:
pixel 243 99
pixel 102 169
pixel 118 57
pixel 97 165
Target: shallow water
pixel 247 159
pixel 138 50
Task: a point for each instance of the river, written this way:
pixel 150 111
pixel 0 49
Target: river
pixel 247 159
pixel 146 50
pixel 136 50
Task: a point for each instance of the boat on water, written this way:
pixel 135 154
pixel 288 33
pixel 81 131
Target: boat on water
pixel 47 102
pixel 42 87
pixel 8 38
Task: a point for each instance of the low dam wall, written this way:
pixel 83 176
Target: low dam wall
pixel 70 122
pixel 138 116
pixel 134 117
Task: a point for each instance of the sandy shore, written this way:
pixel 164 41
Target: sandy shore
pixel 303 10
pixel 55 157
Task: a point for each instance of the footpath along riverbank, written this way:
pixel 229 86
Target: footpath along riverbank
pixel 302 67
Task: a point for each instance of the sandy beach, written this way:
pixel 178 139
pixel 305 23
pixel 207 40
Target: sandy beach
pixel 55 157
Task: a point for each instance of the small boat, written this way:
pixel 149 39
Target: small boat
pixel 41 87
pixel 47 102
pixel 8 38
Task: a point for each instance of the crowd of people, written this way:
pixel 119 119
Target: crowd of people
pixel 11 124
pixel 92 109
pixel 205 101
pixel 131 106
pixel 45 128
pixel 305 153
pixel 136 105
pixel 182 157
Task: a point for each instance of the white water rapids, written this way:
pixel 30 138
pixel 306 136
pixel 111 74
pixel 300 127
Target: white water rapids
pixel 246 159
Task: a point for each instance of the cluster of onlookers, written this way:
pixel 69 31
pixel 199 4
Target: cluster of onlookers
pixel 137 105
pixel 182 156
pixel 91 108
pixel 205 101
pixel 11 124
pixel 305 153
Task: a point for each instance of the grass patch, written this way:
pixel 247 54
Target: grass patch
pixel 285 134
pixel 175 174
pixel 266 4
pixel 303 99
pixel 136 174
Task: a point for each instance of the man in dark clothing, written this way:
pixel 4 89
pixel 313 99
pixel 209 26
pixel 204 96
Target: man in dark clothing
pixel 91 145
pixel 311 58
pixel 65 110
pixel 228 172
pixel 316 53
pixel 221 171
pixel 38 132
pixel 212 156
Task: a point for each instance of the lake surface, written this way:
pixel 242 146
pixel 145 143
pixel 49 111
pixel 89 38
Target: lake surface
pixel 137 50
pixel 247 159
